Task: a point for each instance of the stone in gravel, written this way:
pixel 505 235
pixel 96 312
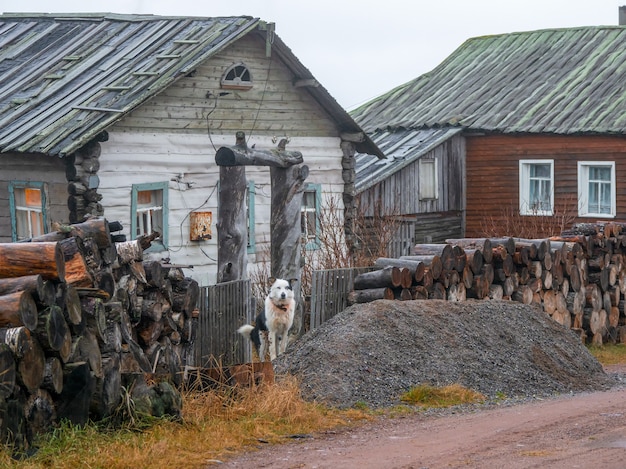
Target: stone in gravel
pixel 372 353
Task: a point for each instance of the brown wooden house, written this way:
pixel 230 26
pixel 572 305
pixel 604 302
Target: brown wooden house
pixel 540 141
pixel 122 115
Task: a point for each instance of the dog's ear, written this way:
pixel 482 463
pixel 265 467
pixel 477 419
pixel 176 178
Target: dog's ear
pixel 271 280
pixel 292 281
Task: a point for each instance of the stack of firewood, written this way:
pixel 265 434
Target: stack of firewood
pixel 81 318
pixel 579 278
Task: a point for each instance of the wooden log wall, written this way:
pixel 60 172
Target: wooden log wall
pixel 76 327
pixel 81 172
pixel 578 278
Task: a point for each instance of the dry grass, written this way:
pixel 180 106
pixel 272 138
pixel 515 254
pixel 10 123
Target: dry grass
pixel 214 425
pixel 609 354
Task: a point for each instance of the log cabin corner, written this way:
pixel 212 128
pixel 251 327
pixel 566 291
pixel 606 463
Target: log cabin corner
pixel 519 131
pixel 121 116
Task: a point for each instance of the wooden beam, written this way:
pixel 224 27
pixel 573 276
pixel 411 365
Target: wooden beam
pixel 241 155
pixel 306 82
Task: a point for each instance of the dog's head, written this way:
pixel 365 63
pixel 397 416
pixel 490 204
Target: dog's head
pixel 281 291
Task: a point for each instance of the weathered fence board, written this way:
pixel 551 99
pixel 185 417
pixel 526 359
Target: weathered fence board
pixel 329 292
pixel 223 308
pixel 403 240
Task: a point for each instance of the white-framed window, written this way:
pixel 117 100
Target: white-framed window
pixel 27 202
pixel 237 77
pixel 428 187
pixel 596 189
pixel 149 212
pixel 309 215
pixel 536 187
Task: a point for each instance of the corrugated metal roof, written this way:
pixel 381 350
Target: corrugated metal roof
pixel 64 78
pixel 562 81
pixel 401 147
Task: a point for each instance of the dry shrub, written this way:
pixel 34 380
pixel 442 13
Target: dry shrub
pixel 511 223
pixel 215 424
pixel 374 234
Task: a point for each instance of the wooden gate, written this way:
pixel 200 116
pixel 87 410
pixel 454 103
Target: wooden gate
pixel 223 309
pixel 329 292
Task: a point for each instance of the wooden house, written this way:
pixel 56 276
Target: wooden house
pixel 513 131
pixel 121 116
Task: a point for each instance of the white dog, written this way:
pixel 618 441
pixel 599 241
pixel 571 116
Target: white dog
pixel 272 325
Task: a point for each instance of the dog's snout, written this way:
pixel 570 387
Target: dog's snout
pixel 283 295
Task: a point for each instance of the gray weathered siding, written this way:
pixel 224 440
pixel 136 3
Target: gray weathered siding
pixel 398 194
pixel 171 135
pixel 33 168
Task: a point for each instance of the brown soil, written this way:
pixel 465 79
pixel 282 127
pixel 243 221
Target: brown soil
pixel 585 430
pixel 550 404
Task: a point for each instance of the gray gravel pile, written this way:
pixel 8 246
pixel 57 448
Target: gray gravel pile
pixel 372 353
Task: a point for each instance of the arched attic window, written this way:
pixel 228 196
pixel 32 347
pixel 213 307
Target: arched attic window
pixel 237 77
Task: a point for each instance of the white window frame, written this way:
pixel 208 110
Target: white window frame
pixel 161 190
pixel 428 179
pixel 583 189
pixel 311 240
pixel 525 207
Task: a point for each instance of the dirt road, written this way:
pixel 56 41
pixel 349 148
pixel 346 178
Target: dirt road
pixel 579 431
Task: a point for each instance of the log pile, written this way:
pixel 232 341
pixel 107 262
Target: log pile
pixel 578 278
pixel 81 317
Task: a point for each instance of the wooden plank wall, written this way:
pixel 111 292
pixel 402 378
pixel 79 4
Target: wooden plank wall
pixel 272 105
pixel 329 292
pixel 493 172
pixel 437 227
pixel 35 168
pixel 179 132
pixel 398 193
pixel 223 309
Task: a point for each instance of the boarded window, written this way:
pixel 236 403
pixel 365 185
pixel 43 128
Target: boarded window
pixel 428 179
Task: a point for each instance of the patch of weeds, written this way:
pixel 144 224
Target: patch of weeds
pixel 426 395
pixel 500 396
pixel 609 354
pixel 361 405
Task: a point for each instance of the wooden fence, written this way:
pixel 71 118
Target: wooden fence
pixel 223 308
pixel 403 239
pixel 329 292
pixel 226 306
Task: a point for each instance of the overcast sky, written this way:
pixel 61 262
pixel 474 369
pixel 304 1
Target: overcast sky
pixel 359 49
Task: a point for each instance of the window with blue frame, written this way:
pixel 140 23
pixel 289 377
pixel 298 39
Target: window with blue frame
pixel 310 214
pixel 149 212
pixel 27 204
pixel 251 217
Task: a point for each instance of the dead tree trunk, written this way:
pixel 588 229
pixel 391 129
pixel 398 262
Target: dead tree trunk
pixel 232 232
pixel 231 225
pixel 287 189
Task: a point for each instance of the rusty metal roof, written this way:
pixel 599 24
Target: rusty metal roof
pixel 64 78
pixel 562 81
